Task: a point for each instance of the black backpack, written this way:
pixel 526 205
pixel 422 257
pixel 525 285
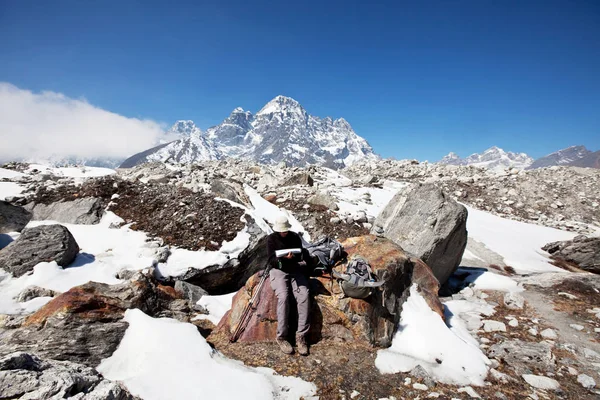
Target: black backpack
pixel 325 253
pixel 358 280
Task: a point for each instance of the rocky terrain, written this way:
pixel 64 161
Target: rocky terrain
pixel 559 197
pixel 536 335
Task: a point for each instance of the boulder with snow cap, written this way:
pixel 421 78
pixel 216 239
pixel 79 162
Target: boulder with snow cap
pixel 231 276
pixel 371 322
pixel 13 218
pixel 36 245
pixel 427 223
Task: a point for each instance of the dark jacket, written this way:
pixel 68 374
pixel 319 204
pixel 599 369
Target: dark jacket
pixel 292 240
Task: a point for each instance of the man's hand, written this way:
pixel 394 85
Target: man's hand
pixel 302 263
pixel 288 255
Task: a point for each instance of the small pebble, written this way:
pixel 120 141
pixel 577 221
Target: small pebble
pixel 576 327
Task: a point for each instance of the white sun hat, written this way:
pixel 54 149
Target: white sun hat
pixel 281 224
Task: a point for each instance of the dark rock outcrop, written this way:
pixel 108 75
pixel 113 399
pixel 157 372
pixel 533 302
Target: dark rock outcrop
pixel 302 179
pixel 85 324
pixel 85 211
pixel 427 224
pixel 26 376
pixel 370 322
pixel 36 245
pixel 227 278
pixel 13 218
pixel 583 251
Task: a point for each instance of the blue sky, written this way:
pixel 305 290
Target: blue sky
pixel 417 80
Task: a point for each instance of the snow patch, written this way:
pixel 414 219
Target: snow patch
pixel 175 352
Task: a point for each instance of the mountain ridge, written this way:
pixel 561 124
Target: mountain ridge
pixel 282 130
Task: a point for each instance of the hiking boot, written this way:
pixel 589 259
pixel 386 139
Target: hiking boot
pixel 285 346
pixel 302 346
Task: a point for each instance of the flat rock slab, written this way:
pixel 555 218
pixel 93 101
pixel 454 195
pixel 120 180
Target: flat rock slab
pixel 541 382
pixel 42 243
pixel 86 211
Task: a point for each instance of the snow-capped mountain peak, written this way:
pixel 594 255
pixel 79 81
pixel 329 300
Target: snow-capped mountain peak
pixel 283 105
pixel 562 157
pixel 185 128
pixel 281 131
pixel 493 158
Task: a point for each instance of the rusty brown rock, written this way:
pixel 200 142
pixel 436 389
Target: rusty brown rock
pixel 372 321
pixel 85 324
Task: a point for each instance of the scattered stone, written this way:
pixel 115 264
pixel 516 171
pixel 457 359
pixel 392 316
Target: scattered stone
pixel 470 391
pixel 586 381
pixel 572 371
pixel 36 245
pixel 493 326
pixel 514 301
pixel 523 356
pixel 576 327
pixel 549 334
pixel 532 331
pixel 420 386
pixel 541 382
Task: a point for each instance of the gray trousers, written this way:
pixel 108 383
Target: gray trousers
pixel 284 285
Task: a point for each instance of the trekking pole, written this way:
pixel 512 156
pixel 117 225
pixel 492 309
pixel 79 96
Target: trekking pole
pixel 245 318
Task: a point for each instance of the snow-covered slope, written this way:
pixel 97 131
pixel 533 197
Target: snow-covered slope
pixel 492 158
pixel 192 146
pixel 281 131
pixel 562 157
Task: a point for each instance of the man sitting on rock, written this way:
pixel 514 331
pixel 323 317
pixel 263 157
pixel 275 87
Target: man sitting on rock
pixel 288 277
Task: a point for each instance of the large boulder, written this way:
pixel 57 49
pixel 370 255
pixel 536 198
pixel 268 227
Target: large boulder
pixel 370 322
pixel 427 224
pixel 86 211
pixel 85 324
pixel 36 245
pixel 13 218
pixel 583 251
pixel 231 276
pixel 26 376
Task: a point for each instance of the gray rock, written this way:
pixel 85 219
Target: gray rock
pixel 523 356
pixel 493 326
pixel 419 372
pixel 541 382
pixel 190 292
pixel 586 381
pixel 323 198
pixel 230 190
pixel 33 292
pixel 38 244
pixel 302 179
pixel 428 224
pixel 13 218
pixel 583 251
pixel 87 211
pixel 26 376
pixel 514 301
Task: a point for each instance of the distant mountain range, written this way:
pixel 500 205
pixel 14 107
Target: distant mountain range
pixel 496 158
pixel 281 131
pixel 492 158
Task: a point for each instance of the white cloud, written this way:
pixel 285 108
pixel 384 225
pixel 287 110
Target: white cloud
pixel 49 125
